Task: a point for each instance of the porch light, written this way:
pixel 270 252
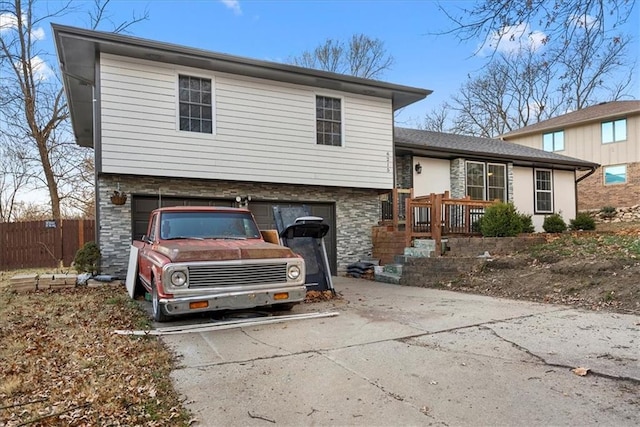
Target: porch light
pixel 418 168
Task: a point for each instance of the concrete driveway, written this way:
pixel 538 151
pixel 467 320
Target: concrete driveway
pixel 410 356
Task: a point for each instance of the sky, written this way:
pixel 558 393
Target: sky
pixel 276 30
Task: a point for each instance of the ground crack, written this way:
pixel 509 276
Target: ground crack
pixel 558 365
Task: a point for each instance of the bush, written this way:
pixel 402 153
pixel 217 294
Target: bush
pixel 607 212
pixel 501 220
pixel 583 221
pixel 527 223
pixel 554 224
pixel 87 257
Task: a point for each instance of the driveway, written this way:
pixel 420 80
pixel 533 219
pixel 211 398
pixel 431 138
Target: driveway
pixel 411 356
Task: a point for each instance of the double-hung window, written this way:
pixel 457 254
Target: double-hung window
pixel 544 191
pixel 486 181
pixel 614 131
pixel 553 141
pixel 328 120
pixel 196 104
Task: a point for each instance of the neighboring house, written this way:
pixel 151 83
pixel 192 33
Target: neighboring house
pixel 172 125
pixel 537 182
pixel 607 134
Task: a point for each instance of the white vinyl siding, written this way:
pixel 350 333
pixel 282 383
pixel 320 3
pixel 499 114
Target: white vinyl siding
pixel 265 131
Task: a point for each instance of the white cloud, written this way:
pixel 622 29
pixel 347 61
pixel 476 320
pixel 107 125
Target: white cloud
pixel 41 70
pixel 233 5
pixel 8 21
pixel 37 34
pixel 514 38
pixel 584 21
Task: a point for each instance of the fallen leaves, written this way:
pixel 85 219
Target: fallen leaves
pixel 580 371
pixel 315 296
pixel 65 366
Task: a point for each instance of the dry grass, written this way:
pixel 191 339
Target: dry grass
pixel 62 364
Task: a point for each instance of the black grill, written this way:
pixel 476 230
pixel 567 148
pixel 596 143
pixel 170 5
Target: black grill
pixel 236 275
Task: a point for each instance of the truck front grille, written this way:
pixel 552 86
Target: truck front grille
pixel 236 275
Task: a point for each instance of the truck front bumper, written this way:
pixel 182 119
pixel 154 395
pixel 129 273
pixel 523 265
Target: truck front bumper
pixel 233 300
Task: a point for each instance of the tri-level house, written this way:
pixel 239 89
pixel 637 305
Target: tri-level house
pixel 607 134
pixel 172 125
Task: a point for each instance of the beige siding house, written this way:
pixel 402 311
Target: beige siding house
pixel 607 134
pixel 537 182
pixel 172 125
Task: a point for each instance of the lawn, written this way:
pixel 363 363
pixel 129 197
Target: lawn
pixel 61 363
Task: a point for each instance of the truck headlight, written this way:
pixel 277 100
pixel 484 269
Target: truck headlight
pixel 293 272
pixel 178 278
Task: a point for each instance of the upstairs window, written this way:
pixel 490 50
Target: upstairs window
pixel 614 131
pixel 544 191
pixel 196 105
pixel 329 120
pixel 553 141
pixel 615 174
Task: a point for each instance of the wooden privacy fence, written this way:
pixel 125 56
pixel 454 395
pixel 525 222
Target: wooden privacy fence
pixel 438 215
pixel 43 243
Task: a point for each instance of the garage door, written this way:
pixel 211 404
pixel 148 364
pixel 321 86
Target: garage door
pixel 263 212
pixel 141 207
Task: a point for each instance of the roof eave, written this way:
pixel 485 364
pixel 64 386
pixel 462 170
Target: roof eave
pixel 517 160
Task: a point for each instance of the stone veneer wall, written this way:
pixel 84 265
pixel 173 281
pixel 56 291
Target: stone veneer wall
pixel 404 171
pixel 593 194
pixel 357 210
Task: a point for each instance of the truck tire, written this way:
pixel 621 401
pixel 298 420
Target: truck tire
pixel 159 312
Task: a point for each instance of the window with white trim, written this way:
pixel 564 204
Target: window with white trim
pixel 616 174
pixel 544 191
pixel 195 104
pixel 553 141
pixel 328 120
pixel 614 131
pixel 486 181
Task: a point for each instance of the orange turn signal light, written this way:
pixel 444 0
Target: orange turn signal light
pixel 281 295
pixel 198 304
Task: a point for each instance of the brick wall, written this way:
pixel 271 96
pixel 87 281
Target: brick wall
pixel 387 244
pixel 593 194
pixel 357 211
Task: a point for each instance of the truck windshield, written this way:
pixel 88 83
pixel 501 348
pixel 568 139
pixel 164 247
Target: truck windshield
pixel 208 225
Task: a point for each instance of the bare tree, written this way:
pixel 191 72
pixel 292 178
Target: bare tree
pixel 34 111
pixel 493 21
pixel 13 177
pixel 573 61
pixel 361 56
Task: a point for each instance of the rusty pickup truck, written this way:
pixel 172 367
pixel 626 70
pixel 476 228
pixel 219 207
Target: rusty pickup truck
pixel 196 259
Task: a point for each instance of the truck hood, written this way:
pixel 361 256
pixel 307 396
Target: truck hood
pixel 220 250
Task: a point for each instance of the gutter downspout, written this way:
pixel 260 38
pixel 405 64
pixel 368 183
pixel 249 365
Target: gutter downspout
pixel 578 180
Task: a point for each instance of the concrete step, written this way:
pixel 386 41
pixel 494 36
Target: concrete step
pixel 393 268
pixel 388 278
pixel 418 252
pixel 425 244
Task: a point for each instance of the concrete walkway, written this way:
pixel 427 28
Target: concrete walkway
pixel 412 356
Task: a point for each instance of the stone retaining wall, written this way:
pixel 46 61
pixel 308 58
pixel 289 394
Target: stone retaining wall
pixel 423 272
pixel 630 214
pixel 475 246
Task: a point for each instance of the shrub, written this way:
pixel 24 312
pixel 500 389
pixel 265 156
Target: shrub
pixel 87 257
pixel 583 221
pixel 554 224
pixel 500 220
pixel 527 224
pixel 607 212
